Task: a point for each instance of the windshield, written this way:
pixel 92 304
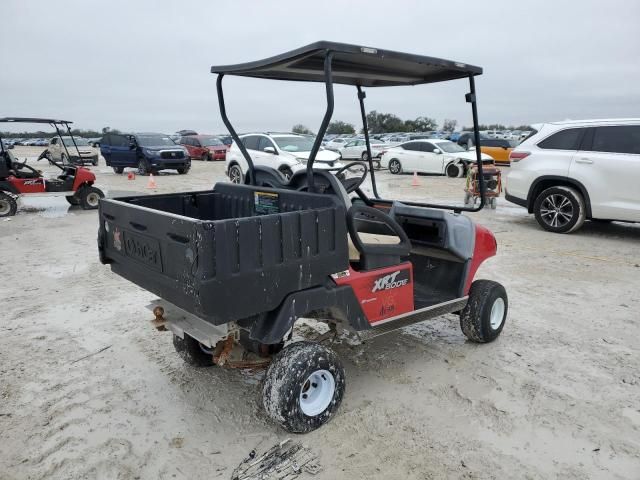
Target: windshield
pixel 81 142
pixel 450 147
pixel 154 141
pixel 210 141
pixel 294 144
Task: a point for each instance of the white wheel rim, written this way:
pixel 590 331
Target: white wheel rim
pixel 93 199
pixel 317 393
pixel 497 313
pixel 234 175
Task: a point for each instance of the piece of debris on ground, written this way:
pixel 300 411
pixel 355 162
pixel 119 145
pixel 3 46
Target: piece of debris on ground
pixel 286 460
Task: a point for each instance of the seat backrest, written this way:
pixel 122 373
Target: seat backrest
pixel 267 177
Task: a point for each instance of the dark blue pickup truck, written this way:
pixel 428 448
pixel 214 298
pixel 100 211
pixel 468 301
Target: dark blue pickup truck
pixel 148 152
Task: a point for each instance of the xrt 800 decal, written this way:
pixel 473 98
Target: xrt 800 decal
pixel 396 279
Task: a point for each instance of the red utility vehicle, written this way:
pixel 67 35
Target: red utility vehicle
pixel 18 179
pixel 236 266
pixel 204 147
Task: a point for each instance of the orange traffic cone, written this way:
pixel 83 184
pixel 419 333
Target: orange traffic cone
pixel 415 182
pixel 152 182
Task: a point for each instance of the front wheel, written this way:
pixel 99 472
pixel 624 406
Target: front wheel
pixel 143 168
pixel 364 157
pixel 482 319
pixel 89 197
pixel 303 387
pixel 8 205
pixel 395 167
pixel 235 174
pixel 560 209
pixel 183 171
pixel 454 170
pixel 206 156
pixel 287 172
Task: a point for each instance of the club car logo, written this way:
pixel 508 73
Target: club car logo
pixel 394 280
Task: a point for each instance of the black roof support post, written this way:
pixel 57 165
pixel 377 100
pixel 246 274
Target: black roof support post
pixel 365 128
pixel 55 125
pixel 234 135
pixel 471 97
pixel 74 144
pixel 328 82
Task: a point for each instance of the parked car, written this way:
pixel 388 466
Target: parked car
pixel 287 153
pixel 226 139
pixel 358 149
pixel 148 152
pixel 204 147
pixel 497 148
pixel 41 142
pixel 437 156
pixel 64 151
pixel 569 172
pixel 336 144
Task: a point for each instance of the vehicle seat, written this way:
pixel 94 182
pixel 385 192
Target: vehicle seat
pixel 370 238
pixel 377 240
pixel 267 177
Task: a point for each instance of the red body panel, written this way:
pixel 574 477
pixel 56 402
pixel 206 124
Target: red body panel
pixel 83 175
pixel 485 247
pixel 382 293
pixel 28 185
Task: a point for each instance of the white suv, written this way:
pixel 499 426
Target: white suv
pixel 571 171
pixel 286 152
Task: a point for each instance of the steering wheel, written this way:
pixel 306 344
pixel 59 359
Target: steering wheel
pixel 353 183
pixel 19 166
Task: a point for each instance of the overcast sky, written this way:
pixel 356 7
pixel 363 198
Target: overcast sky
pixel 144 65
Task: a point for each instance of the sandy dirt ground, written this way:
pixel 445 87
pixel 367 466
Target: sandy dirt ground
pixel 556 396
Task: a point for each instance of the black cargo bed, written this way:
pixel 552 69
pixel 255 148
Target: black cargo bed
pixel 225 254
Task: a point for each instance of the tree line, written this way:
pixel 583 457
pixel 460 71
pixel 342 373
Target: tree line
pixel 76 132
pixel 379 122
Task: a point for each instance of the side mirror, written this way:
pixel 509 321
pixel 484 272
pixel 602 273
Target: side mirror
pixel 270 150
pixel 437 150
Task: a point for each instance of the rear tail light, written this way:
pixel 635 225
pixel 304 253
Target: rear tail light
pixel 517 156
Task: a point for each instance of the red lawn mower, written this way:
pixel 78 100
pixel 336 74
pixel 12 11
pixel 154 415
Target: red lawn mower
pixel 237 265
pixel 17 179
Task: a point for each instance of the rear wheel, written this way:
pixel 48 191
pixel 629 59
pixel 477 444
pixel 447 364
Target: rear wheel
pixel 303 387
pixel 364 157
pixel 192 351
pixel 118 169
pixel 560 209
pixel 482 319
pixel 95 162
pixel 73 200
pixel 8 205
pixel 395 167
pixel 235 174
pixel 89 197
pixel 183 170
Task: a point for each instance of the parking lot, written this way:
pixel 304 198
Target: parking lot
pixel 88 389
